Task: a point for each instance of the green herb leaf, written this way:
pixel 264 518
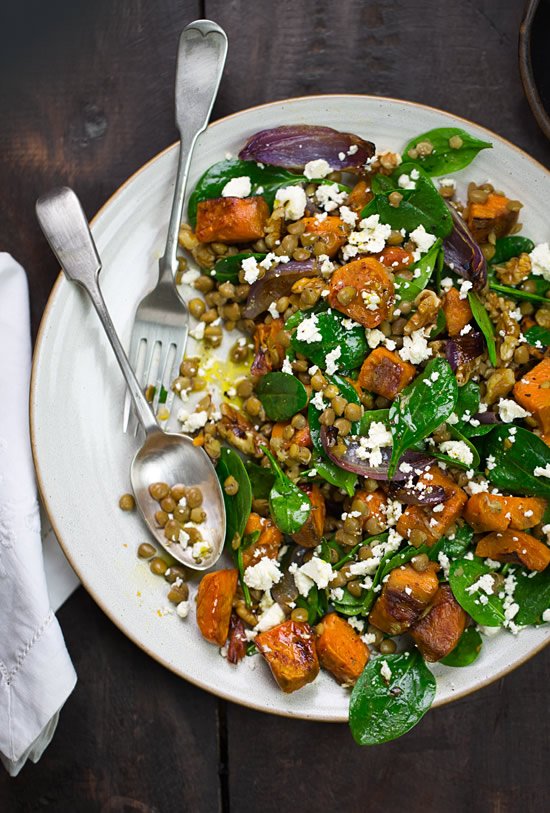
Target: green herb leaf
pixel 444 158
pixel 420 408
pixel 515 464
pixel 289 506
pixel 261 480
pixel 468 401
pixel 455 547
pixel 371 416
pixel 440 325
pixel 239 505
pixel 334 475
pixel 537 335
pixel 351 341
pixel 485 325
pixel 463 574
pixel 511 246
pixel 282 395
pixel 315 603
pixel 267 177
pixel 401 558
pixel 227 269
pixel 466 651
pixel 250 539
pixel 382 710
pixel 517 293
pixel 408 290
pixel 532 593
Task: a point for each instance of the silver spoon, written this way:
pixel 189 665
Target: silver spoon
pixel 164 457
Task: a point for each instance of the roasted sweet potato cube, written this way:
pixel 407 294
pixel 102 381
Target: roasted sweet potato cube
pixel 331 232
pixel 395 258
pixel 231 220
pixel 532 392
pixel 384 373
pixel 290 652
pixel 311 532
pixel 340 649
pixel 457 311
pixel 403 599
pixel 515 546
pixel 214 603
pixel 494 512
pixel 359 196
pixel 431 525
pixel 268 542
pixel 491 216
pixel 363 290
pixel 438 632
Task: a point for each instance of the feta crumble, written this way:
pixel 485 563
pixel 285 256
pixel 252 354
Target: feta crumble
pixel 540 261
pixel 308 330
pixel 371 236
pixel 237 187
pixel 385 671
pixel 415 347
pixel 509 410
pixel 263 575
pixel 251 270
pixel 319 168
pixel 293 200
pixel 458 450
pixel 330 360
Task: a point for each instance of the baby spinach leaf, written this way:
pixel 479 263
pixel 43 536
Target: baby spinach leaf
pixel 537 335
pixel 466 651
pixel 401 558
pixel 511 246
pixel 422 271
pixel 454 546
pixel 444 158
pixel 517 454
pixel 468 401
pixel 456 434
pixel 261 480
pixel 517 293
pixel 266 177
pixel 371 416
pixel 282 395
pixel 351 341
pixel 334 475
pixel 289 506
pixel 227 269
pixel 316 604
pixel 420 408
pixel 382 184
pixel 532 593
pixel 382 710
pixel 485 609
pixel 486 326
pixel 239 505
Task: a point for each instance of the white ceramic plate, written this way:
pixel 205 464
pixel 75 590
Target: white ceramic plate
pixel 82 457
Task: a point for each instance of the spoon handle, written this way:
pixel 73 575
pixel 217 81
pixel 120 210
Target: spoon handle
pixel 201 58
pixel 66 229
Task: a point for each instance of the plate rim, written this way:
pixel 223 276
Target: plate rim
pixel 32 406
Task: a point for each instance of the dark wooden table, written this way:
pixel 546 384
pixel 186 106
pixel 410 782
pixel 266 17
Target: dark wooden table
pixel 85 99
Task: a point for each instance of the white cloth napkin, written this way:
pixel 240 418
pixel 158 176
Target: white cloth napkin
pixel 36 673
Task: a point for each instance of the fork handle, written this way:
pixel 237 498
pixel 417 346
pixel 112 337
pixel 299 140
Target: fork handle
pixel 66 229
pixel 201 58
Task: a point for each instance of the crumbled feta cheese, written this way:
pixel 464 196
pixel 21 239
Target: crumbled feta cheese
pixel 385 671
pixel 201 550
pixel 318 401
pixel 371 300
pixel 190 277
pixel 270 618
pixel 348 215
pixel 370 445
pixel 464 288
pixel 250 267
pixel 374 337
pixel 509 410
pixel 540 261
pixel 287 367
pixel 263 575
pixel 405 182
pixel 337 594
pixel 356 623
pixel 192 422
pixel 319 168
pixel 371 236
pixel 329 197
pixel 183 538
pixel 327 266
pixel 485 583
pixel 330 360
pixel 316 571
pixel 198 332
pixel 415 347
pixel 308 330
pixel 448 182
pixel 546 616
pixel 445 563
pixel 542 471
pixel 237 187
pixel 458 450
pixel 490 463
pixel 424 241
pixel 446 284
pixel 182 609
pixel 293 200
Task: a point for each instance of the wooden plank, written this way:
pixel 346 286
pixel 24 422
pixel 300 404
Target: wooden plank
pixel 132 736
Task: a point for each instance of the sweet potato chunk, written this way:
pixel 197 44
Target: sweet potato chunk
pixel 384 373
pixel 269 350
pixel 532 392
pixel 438 632
pixel 331 231
pixel 359 196
pixel 431 525
pixel 268 542
pixel 492 216
pixel 214 602
pixel 363 290
pixel 289 649
pixel 340 649
pixel 395 257
pixel 231 220
pixel 493 512
pixel 457 311
pixel 515 546
pixel 403 599
pixel 310 534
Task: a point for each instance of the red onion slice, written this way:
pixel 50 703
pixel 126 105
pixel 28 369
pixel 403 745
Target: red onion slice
pixel 410 495
pixel 276 283
pixel 464 348
pixel 292 146
pixel 463 255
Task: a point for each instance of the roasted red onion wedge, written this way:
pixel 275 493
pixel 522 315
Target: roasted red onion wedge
pixel 464 348
pixel 276 283
pixel 463 255
pixel 293 146
pixel 352 459
pixel 411 495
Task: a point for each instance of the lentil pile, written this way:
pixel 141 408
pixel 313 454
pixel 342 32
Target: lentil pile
pixel 385 462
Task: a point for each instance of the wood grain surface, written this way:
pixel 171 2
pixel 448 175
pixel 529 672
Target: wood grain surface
pixel 85 99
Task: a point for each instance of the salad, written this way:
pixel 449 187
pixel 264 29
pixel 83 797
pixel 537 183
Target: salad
pixel 384 451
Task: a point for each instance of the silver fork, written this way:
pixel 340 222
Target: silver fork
pixel 160 330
